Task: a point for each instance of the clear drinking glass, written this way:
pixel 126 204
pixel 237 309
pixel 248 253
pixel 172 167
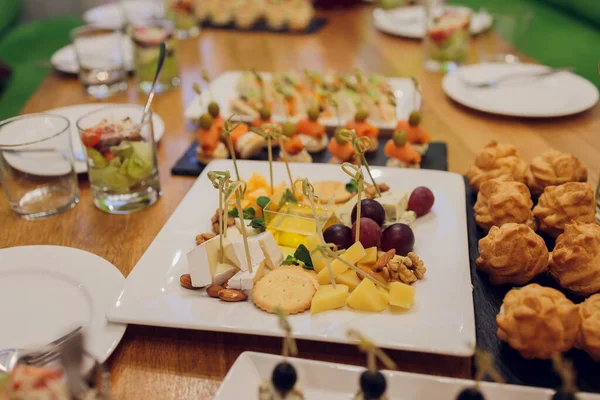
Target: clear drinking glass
pixel 183 15
pixel 507 38
pixel 101 60
pixel 447 36
pixel 121 154
pixel 36 165
pixel 147 38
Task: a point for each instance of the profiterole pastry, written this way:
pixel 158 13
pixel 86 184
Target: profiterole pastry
pixel 496 160
pixel 553 168
pixel 562 204
pixel 575 261
pixel 538 321
pixel 589 335
pixel 512 253
pixel 501 201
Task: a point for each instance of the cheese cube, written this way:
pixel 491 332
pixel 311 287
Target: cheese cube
pixel 235 252
pixel 402 295
pixel 202 261
pixel 369 259
pixel 244 280
pixel 250 231
pixel 366 297
pixel 348 278
pixel 352 255
pixel 394 203
pixel 233 234
pixel 385 294
pixel 223 272
pixel 318 259
pixel 272 253
pixel 328 298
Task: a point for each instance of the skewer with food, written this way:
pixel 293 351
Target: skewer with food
pixel 311 132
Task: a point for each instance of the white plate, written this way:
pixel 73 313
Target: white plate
pixel 65 60
pixel 328 381
pixel 441 321
pixel 557 95
pixel 73 113
pixel 409 22
pixel 223 89
pixel 46 291
pixel 113 14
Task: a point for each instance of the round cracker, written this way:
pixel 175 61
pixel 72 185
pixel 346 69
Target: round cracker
pixel 328 189
pixel 299 270
pixel 286 289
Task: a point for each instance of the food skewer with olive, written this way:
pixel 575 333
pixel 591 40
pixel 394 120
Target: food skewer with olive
pixel 311 132
pixel 400 152
pixel 362 127
pixel 293 147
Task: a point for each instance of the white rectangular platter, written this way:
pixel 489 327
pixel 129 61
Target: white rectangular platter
pixel 223 90
pixel 441 321
pixel 328 381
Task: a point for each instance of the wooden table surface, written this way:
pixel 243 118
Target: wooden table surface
pixel 160 363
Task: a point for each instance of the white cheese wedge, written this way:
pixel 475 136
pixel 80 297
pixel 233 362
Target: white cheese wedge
pixel 394 203
pixel 250 231
pixel 233 234
pixel 223 273
pixel 235 252
pixel 344 212
pixel 270 248
pixel 202 261
pixel 244 280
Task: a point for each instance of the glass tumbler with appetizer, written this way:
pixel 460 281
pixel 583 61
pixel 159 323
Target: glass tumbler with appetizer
pixel 101 60
pixel 447 36
pixel 183 15
pixel 36 165
pixel 147 38
pixel 121 154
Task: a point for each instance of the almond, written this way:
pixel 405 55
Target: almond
pixel 384 260
pixel 232 295
pixel 213 291
pixel 185 281
pixel 375 275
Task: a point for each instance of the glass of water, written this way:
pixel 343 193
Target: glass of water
pixel 121 155
pixel 36 165
pixel 101 58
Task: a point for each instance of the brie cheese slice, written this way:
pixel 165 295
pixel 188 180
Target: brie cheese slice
pixel 270 248
pixel 244 280
pixel 235 252
pixel 202 261
pixel 223 273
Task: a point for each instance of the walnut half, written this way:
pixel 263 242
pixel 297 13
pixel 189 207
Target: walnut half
pixel 371 193
pixel 203 237
pixel 407 269
pixel 215 221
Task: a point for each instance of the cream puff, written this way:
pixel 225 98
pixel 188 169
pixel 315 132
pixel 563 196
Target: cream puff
pixel 589 335
pixel 553 168
pixel 496 160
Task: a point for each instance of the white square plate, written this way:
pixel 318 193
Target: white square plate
pixel 441 321
pixel 223 90
pixel 327 381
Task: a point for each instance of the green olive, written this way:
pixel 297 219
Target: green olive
pixel 213 109
pixel 206 121
pixel 313 113
pixel 339 137
pixel 415 118
pixel 361 115
pixel 265 113
pixel 399 138
pixel 288 129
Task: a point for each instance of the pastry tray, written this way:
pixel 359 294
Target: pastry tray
pixel 488 299
pixel 435 158
pixel 261 26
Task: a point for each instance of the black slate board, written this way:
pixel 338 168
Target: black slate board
pixel 488 299
pixel 435 158
pixel 261 26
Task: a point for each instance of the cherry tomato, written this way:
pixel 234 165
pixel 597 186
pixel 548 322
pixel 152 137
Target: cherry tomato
pixel 90 139
pixel 109 156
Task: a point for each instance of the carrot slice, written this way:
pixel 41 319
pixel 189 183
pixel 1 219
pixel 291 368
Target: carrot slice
pixel 363 129
pixel 238 132
pixel 208 139
pixel 310 128
pixel 343 152
pixel 293 146
pixel 406 153
pixel 414 134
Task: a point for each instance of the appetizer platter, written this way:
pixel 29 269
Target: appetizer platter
pixel 534 242
pixel 323 380
pixel 288 96
pixel 272 255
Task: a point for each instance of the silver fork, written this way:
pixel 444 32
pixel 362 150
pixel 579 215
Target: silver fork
pixel 9 358
pixel 496 81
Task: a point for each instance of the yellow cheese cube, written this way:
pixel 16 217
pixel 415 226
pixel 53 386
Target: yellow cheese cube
pixel 402 295
pixel 312 242
pixel 352 255
pixel 255 194
pixel 256 181
pixel 348 278
pixel 366 297
pixel 328 298
pixel 369 259
pixel 384 293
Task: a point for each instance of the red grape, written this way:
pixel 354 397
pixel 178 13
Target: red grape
pixel 370 233
pixel 370 209
pixel 340 235
pixel 421 200
pixel 399 237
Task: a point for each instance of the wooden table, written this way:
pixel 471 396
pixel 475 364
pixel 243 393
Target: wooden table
pixel 157 363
